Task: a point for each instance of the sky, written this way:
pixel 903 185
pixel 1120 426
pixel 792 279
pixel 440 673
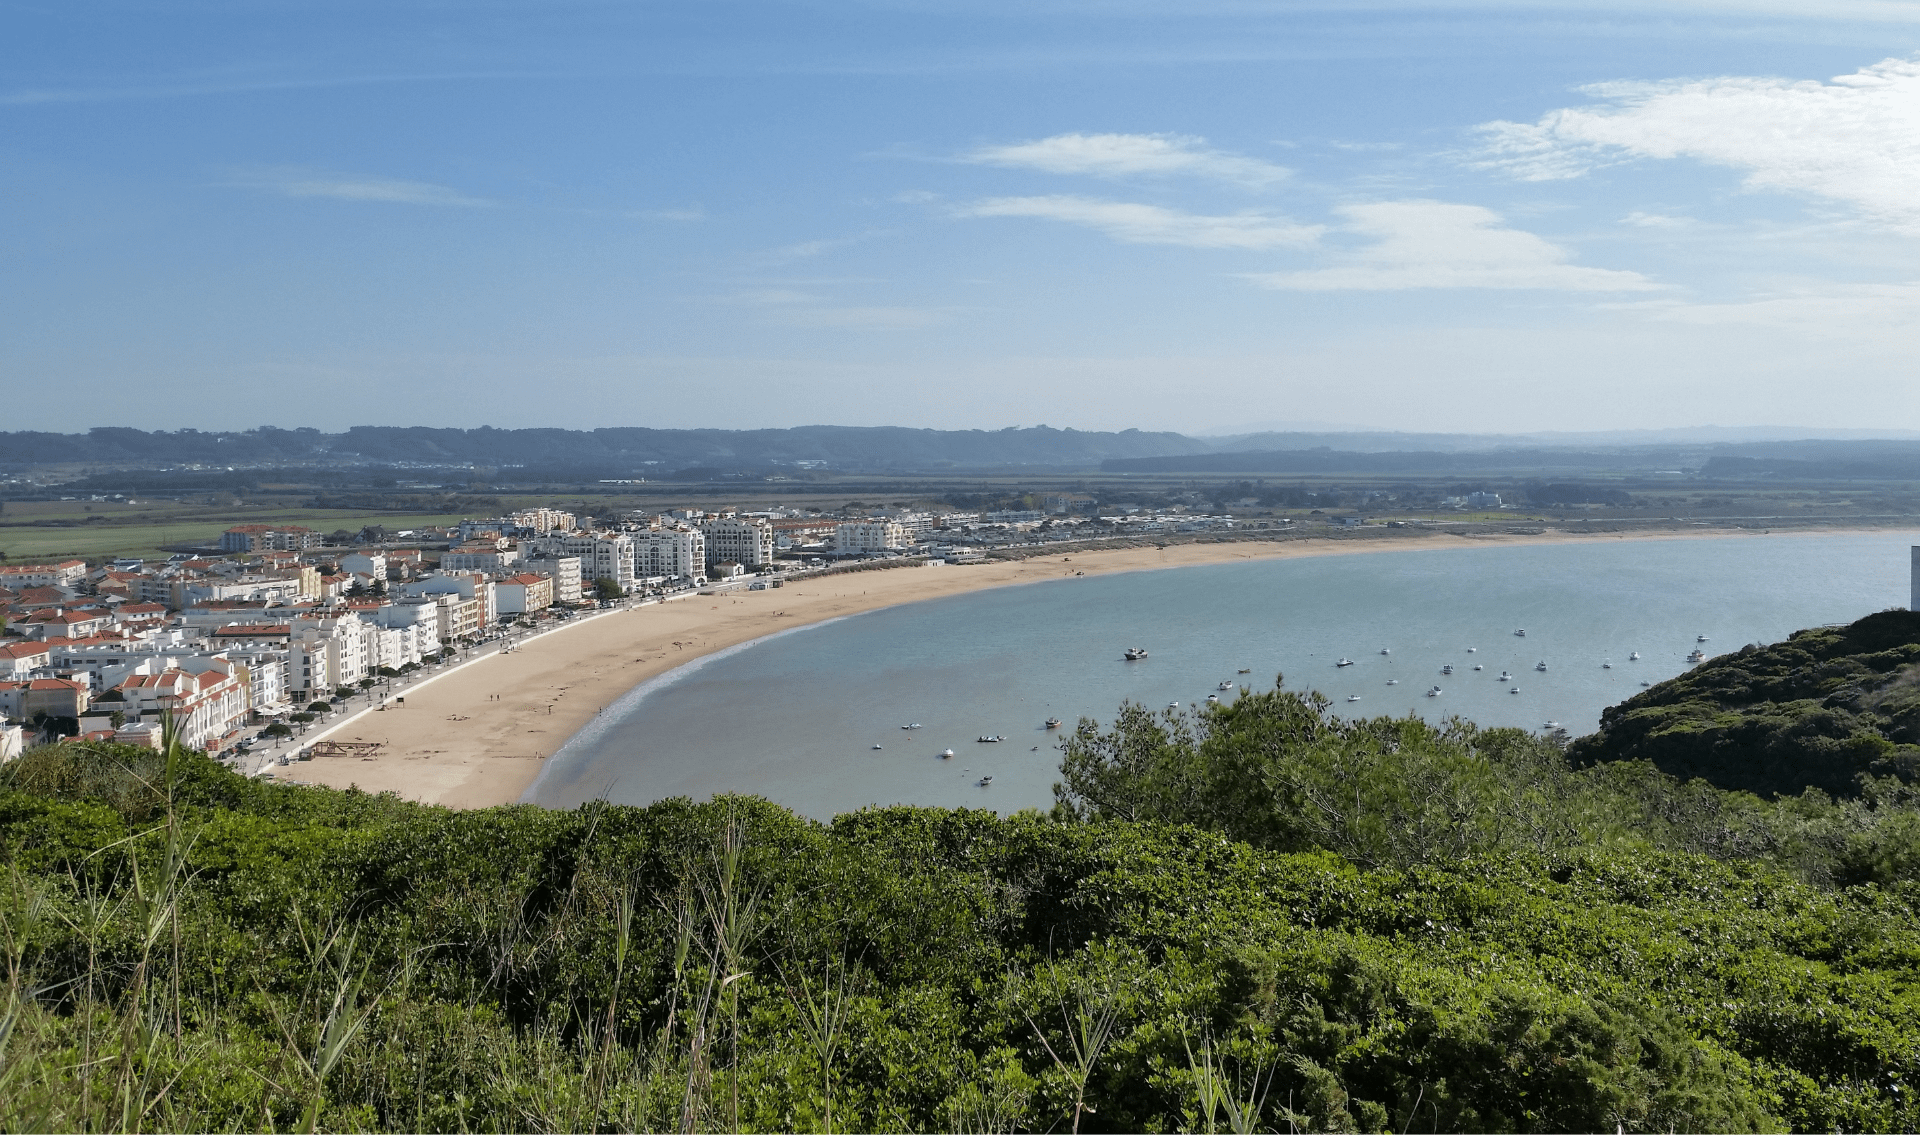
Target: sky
pixel 1197 215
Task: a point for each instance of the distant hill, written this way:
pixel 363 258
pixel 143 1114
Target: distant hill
pixel 1814 711
pixel 612 452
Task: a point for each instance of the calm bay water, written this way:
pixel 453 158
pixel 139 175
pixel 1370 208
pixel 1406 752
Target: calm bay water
pixel 794 717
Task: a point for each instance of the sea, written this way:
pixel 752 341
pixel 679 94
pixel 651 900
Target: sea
pixel 859 711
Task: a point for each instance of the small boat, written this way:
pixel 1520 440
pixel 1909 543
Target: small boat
pixel 1434 692
pixel 1053 723
pixel 1343 662
pixel 1606 666
pixel 1393 681
pixel 946 754
pixel 1514 690
pixel 1644 685
pixel 1447 669
pixel 1384 650
pixel 1353 697
pixel 989 739
pixel 1700 638
pixel 1551 725
pixel 879 746
pixel 986 780
pixel 1214 698
pixel 915 725
pixel 1477 666
pixel 1473 650
pixel 1173 705
pixel 1542 667
pixel 1246 669
pixel 1697 656
pixel 1224 686
pixel 1505 677
pixel 1134 654
pixel 1519 633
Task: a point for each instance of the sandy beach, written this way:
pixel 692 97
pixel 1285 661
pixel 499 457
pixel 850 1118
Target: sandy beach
pixel 476 737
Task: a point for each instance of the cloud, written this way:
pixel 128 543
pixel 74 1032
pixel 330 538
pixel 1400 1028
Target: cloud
pixel 1433 244
pixel 1641 220
pixel 295 182
pixel 1837 311
pixel 1151 224
pixel 1854 140
pixel 1121 155
pixel 790 307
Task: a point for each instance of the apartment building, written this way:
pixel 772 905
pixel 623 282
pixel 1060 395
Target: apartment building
pixel 269 537
pixel 671 553
pixel 67 573
pixel 524 593
pixel 744 540
pixel 207 698
pixel 326 652
pixel 602 555
pixel 865 537
pixel 481 555
pixel 564 571
pixel 35 697
pixel 467 585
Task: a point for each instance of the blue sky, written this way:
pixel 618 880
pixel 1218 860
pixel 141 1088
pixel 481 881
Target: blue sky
pixel 1203 216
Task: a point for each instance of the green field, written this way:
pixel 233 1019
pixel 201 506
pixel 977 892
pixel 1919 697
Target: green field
pixel 131 535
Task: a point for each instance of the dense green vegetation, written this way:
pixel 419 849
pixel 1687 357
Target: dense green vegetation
pixel 1257 917
pixel 1817 710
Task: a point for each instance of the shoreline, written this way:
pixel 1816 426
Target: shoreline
pixel 480 735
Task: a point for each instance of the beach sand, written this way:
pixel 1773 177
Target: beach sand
pixel 476 737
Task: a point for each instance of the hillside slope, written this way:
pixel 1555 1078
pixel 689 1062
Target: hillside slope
pixel 1817 710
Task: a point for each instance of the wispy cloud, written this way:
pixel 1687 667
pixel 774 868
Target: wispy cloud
pixel 290 181
pixel 1121 155
pixel 1854 140
pixel 1435 244
pixel 1152 224
pixel 1642 220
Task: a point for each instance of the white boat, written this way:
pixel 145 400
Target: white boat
pixel 1477 666
pixel 986 780
pixel 1173 705
pixel 1353 697
pixel 1224 686
pixel 946 754
pixel 1700 638
pixel 1384 650
pixel 1447 669
pixel 989 739
pixel 1473 650
pixel 1434 692
pixel 1519 633
pixel 1505 677
pixel 879 746
pixel 915 725
pixel 1134 654
pixel 1393 681
pixel 1542 667
pixel 1053 723
pixel 1514 690
pixel 1551 725
pixel 1634 657
pixel 1214 698
pixel 1697 656
pixel 1606 666
pixel 1343 662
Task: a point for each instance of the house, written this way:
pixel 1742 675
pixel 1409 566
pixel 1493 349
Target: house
pixel 524 594
pixel 56 623
pixel 20 658
pixel 43 697
pixel 206 702
pixel 67 573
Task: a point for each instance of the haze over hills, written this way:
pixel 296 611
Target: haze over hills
pixel 706 454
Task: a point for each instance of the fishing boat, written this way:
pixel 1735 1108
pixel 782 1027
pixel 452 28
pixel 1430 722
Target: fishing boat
pixel 1053 723
pixel 989 739
pixel 1514 690
pixel 1134 654
pixel 1224 686
pixel 1542 667
pixel 1634 657
pixel 1173 705
pixel 1353 697
pixel 1505 677
pixel 1246 669
pixel 1551 726
pixel 915 725
pixel 879 746
pixel 1343 662
pixel 1393 681
pixel 1697 656
pixel 1214 698
pixel 1473 650
pixel 1447 669
pixel 1700 638
pixel 946 754
pixel 1519 632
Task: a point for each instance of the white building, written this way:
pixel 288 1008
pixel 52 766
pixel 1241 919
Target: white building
pixel 864 537
pixel 467 585
pixel 602 555
pixel 13 741
pixel 373 564
pixel 742 540
pixel 563 570
pixel 206 696
pixel 671 553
